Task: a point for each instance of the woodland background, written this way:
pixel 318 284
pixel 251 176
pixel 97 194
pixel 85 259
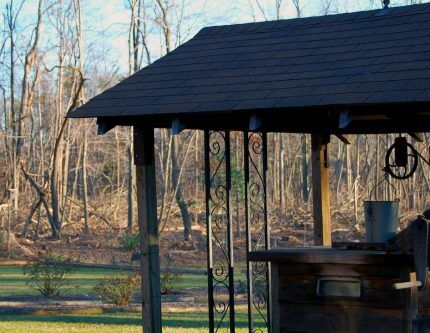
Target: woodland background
pixel 67 180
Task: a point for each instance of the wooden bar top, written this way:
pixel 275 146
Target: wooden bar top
pixel 328 255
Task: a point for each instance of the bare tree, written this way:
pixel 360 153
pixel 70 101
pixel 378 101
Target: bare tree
pixel 261 9
pixel 297 7
pixel 27 91
pixel 413 2
pixel 278 5
pixel 133 47
pixel 163 20
pixel 11 17
pixel 329 7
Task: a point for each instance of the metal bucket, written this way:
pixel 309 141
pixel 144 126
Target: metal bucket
pixel 381 220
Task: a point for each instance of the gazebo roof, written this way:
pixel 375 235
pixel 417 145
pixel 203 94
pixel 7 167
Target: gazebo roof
pixel 298 75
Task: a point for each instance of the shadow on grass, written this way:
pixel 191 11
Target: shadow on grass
pixel 197 320
pixel 175 320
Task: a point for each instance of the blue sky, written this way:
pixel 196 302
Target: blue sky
pixel 112 17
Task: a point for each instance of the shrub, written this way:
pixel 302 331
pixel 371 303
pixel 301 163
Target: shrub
pixel 130 242
pixel 47 274
pixel 241 287
pixel 119 289
pixel 168 278
pixel 168 281
pixel 13 255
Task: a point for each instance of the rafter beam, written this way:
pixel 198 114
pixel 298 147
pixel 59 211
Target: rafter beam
pixel 177 126
pixel 419 137
pixel 346 139
pixel 255 123
pixel 104 127
pixel 345 119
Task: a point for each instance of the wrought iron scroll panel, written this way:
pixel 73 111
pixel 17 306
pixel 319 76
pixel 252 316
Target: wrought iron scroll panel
pixel 257 231
pixel 219 232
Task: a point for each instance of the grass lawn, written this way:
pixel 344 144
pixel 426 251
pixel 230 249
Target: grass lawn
pixel 173 321
pixel 82 281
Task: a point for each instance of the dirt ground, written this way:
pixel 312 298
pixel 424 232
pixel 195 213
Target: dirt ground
pixel 102 244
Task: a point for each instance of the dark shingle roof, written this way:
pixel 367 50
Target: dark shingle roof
pixel 371 57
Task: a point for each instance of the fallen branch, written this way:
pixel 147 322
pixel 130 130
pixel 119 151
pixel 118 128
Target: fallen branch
pixel 33 209
pixel 41 192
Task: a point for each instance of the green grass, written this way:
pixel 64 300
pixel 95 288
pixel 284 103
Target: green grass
pixel 82 281
pixel 182 321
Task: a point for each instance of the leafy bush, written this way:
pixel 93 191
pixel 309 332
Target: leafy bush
pixel 47 274
pixel 13 255
pixel 241 287
pixel 119 289
pixel 169 278
pixel 130 242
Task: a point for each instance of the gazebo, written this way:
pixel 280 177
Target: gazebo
pixel 363 72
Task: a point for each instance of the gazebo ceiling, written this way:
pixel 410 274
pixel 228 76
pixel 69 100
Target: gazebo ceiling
pixel 356 72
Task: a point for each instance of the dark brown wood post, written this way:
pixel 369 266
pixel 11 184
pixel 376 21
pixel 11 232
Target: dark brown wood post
pixel 321 189
pixel 148 228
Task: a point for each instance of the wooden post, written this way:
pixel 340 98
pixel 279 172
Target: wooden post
pixel 276 315
pixel 148 228
pixel 321 189
pixel 409 302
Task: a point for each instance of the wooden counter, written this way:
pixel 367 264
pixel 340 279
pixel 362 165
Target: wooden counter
pixel 322 289
pixel 328 255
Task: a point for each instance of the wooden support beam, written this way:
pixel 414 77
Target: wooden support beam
pixel 104 127
pixel 346 139
pixel 255 123
pixel 148 228
pixel 321 189
pixel 419 137
pixel 177 126
pixel 345 119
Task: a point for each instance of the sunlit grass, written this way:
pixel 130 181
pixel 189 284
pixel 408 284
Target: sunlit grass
pixel 81 281
pixel 173 321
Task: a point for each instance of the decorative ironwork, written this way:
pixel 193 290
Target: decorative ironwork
pixel 219 231
pixel 257 230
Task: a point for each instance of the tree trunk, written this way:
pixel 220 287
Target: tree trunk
pixel 130 187
pixel 178 195
pixel 84 180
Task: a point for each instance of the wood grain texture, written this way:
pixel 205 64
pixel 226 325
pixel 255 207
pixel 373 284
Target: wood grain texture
pixel 325 255
pixel 321 189
pixel 377 308
pixel 409 303
pixel 275 299
pixel 148 228
pixel 340 319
